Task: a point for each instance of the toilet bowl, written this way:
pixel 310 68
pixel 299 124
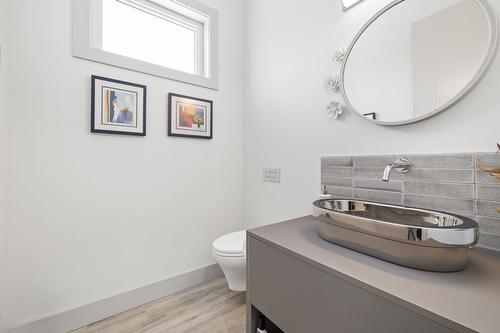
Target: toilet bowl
pixel 229 252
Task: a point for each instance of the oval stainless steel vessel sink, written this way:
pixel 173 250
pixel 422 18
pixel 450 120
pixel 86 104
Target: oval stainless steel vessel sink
pixel 417 238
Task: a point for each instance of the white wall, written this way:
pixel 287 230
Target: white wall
pixel 3 17
pixel 76 231
pixel 288 49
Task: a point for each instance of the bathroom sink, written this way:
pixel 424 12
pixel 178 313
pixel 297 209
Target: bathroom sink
pixel 417 238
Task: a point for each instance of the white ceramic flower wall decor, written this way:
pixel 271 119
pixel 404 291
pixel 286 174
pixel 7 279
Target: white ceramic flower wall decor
pixel 339 55
pixel 334 110
pixel 332 83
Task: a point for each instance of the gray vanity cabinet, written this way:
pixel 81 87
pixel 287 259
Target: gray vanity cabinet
pixel 300 297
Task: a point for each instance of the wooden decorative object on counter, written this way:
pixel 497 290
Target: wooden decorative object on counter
pixel 494 172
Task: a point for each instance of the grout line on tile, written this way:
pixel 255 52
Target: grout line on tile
pixel 474 206
pixel 436 182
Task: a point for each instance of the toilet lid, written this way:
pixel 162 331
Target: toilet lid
pixel 232 243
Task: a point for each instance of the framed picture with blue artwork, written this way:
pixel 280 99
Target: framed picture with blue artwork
pixel 118 107
pixel 189 117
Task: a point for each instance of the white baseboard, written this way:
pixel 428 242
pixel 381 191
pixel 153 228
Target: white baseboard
pixel 87 314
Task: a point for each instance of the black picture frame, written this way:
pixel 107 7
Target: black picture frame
pixel 93 129
pixel 170 114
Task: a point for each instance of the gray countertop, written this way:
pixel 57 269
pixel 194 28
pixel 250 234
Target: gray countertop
pixel 465 301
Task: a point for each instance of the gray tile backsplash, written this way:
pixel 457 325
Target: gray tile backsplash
pixel 487 160
pixel 381 196
pixel 487 192
pixel 372 161
pixel 373 173
pixel 488 224
pixel 449 182
pixel 345 192
pixel 490 240
pixel 487 208
pixel 434 189
pixel 442 175
pixel 337 171
pixel 437 203
pixel 336 181
pixel 374 184
pixel 447 161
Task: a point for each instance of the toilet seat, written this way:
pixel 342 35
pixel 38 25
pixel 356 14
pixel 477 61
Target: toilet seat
pixel 231 245
pixel 229 252
pixel 226 255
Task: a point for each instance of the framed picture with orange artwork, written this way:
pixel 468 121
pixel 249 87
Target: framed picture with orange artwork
pixel 189 117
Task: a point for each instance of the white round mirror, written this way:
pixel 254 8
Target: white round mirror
pixel 416 58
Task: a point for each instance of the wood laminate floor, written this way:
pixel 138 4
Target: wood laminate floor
pixel 209 307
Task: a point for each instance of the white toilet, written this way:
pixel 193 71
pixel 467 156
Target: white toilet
pixel 230 253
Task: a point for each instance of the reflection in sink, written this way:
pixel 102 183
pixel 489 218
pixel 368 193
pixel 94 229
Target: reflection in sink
pixel 411 237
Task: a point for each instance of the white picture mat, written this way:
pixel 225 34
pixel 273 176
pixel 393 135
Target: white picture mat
pixel 174 119
pixel 98 103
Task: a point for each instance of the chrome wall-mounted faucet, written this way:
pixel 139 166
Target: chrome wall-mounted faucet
pixel 401 165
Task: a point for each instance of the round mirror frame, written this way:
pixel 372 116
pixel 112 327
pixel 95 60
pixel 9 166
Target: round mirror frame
pixel 493 29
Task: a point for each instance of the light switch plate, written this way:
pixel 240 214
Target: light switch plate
pixel 272 175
